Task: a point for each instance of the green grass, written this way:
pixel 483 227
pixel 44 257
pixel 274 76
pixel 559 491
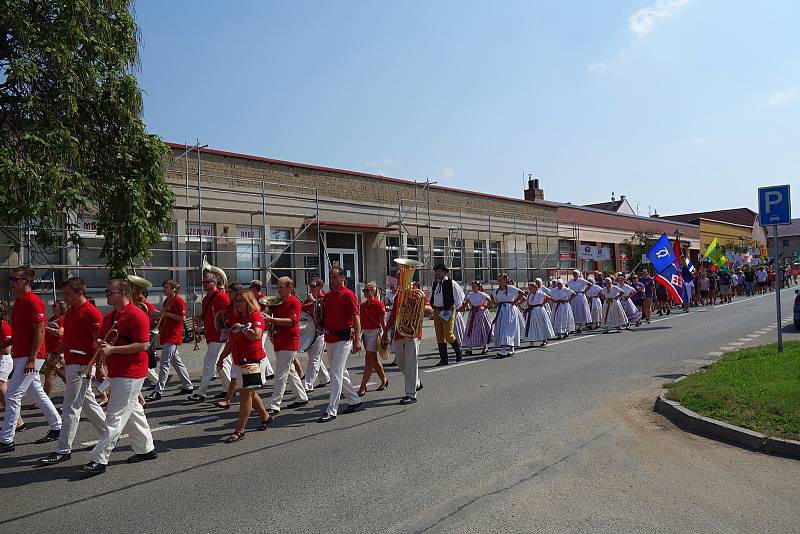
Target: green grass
pixel 754 388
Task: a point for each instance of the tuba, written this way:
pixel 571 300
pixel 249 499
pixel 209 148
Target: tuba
pixel 410 306
pixel 319 312
pixel 221 276
pixel 139 284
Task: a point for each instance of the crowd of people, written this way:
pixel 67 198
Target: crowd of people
pixel 117 352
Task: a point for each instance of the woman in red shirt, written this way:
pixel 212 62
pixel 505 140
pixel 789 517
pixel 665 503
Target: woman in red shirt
pixel 53 333
pixel 373 322
pixel 245 346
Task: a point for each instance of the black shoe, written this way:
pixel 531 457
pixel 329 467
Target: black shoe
pixel 408 400
pixel 154 396
pixel 20 428
pixel 297 404
pixel 197 398
pixel 441 363
pixel 220 395
pixel 55 458
pixel 51 435
pixel 269 377
pixel 93 468
pixel 326 417
pixel 185 391
pixel 152 455
pixel 323 385
pixel 420 386
pixel 7 447
pixel 351 408
pixel 273 411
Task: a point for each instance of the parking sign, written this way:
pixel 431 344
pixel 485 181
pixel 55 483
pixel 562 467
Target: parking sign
pixel 774 206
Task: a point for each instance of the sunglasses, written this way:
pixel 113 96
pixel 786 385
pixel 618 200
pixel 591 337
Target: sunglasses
pixel 15 279
pixel 110 292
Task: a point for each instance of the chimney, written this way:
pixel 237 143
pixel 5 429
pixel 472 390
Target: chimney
pixel 622 198
pixel 533 192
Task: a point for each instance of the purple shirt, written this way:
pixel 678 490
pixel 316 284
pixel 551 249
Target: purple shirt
pixel 649 286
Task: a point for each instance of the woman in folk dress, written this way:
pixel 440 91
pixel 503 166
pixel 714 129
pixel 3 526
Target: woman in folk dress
pixel 594 294
pixel 478 331
pixel 563 320
pixel 613 314
pixel 507 331
pixel 546 290
pixel 538 326
pixel 580 306
pixel 631 312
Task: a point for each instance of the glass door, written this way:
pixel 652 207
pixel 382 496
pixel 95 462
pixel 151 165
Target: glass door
pixel 347 260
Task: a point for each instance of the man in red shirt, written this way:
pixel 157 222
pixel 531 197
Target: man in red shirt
pixel 406 351
pixel 126 359
pixel 81 330
pixel 286 319
pixel 315 366
pixel 214 302
pixel 170 334
pixel 27 348
pixel 342 335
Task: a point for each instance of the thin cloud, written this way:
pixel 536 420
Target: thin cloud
pixel 702 140
pixel 781 97
pixel 383 162
pixel 643 21
pixel 448 172
pixel 596 66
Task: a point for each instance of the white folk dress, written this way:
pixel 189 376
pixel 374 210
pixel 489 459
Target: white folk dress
pixel 580 306
pixel 546 291
pixel 538 326
pixel 595 297
pixel 508 319
pixel 478 332
pixel 563 320
pixel 631 311
pixel 613 314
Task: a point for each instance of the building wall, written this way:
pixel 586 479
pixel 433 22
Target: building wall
pixel 728 234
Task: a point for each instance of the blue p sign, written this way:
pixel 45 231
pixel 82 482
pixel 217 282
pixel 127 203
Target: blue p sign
pixel 774 206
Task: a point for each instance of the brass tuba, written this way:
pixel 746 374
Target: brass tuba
pixel 139 284
pixel 410 306
pixel 221 276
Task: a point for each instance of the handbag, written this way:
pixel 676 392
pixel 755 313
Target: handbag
pixel 251 375
pixel 383 348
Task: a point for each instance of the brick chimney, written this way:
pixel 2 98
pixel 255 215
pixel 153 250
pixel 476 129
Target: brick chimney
pixel 533 192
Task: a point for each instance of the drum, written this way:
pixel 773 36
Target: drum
pixel 308 331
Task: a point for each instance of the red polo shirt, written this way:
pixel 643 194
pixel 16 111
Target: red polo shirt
pixel 287 337
pixel 340 307
pixel 133 327
pixel 51 341
pixel 28 310
pixel 171 331
pixel 213 302
pixel 79 325
pixel 247 349
pixel 5 331
pixel 370 313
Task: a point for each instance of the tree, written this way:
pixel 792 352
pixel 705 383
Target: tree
pixel 72 141
pixel 636 245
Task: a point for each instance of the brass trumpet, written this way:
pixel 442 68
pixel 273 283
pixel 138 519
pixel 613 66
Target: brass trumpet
pixel 111 338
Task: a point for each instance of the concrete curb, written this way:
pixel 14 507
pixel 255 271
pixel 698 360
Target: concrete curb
pixel 693 422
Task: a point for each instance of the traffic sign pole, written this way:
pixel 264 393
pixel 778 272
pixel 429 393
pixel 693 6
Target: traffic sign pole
pixel 778 285
pixel 774 208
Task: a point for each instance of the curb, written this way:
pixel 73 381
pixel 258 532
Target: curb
pixel 690 421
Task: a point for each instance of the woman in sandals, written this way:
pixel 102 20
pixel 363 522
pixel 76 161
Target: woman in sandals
pixel 373 324
pixel 247 350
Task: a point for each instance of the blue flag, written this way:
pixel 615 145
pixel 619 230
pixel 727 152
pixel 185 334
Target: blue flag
pixel 661 254
pixel 672 280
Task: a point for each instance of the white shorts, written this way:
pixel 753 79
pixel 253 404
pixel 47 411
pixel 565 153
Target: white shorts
pixel 6 365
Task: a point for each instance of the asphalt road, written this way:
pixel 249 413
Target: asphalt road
pixel 561 439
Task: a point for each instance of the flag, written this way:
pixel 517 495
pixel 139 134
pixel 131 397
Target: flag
pixel 676 249
pixel 661 254
pixel 689 265
pixel 671 279
pixel 715 253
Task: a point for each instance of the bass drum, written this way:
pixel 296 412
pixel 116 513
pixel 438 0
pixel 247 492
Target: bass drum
pixel 308 331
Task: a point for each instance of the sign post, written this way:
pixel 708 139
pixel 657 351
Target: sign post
pixel 774 208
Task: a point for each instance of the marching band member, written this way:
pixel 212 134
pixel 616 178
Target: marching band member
pixel 446 297
pixel 478 332
pixel 53 333
pixel 27 347
pixel 247 349
pixel 170 335
pixel 126 360
pixel 613 314
pixel 580 306
pixel 373 322
pixel 507 321
pixel 214 302
pixel 267 371
pixel 315 366
pixel 231 317
pixel 342 334
pixel 286 341
pixel 594 294
pixel 563 320
pixel 6 362
pixel 82 323
pixel 388 302
pixel 152 375
pixel 537 325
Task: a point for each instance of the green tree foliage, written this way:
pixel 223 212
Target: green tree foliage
pixel 636 245
pixel 72 141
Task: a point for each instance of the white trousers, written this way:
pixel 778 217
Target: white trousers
pixel 406 351
pixel 152 376
pixel 266 366
pixel 285 371
pixel 18 384
pixel 124 412
pixel 77 396
pixel 315 366
pixel 210 368
pixel 170 355
pixel 340 378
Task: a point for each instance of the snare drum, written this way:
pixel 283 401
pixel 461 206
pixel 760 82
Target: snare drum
pixel 308 331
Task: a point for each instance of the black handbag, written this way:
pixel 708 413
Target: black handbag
pixel 251 374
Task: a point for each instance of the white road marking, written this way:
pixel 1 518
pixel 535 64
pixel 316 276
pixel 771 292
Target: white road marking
pixel 160 428
pixel 736 343
pixel 745 339
pixel 753 336
pixel 714 353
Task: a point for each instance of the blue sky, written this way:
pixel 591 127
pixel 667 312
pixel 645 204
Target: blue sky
pixel 682 105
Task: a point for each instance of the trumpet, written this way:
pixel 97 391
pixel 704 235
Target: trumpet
pixel 111 338
pixel 270 301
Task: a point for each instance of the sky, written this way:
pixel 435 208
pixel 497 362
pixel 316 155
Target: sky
pixel 681 105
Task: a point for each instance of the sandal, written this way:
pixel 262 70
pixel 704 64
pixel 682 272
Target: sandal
pixel 383 386
pixel 361 393
pixel 233 438
pixel 222 404
pixel 265 424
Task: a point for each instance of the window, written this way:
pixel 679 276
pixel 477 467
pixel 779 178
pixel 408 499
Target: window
pixel 392 253
pixel 281 264
pixel 479 254
pixel 607 263
pixel 414 248
pixel 456 254
pixel 494 259
pixel 196 235
pixel 439 252
pixel 248 253
pixel 588 264
pixel 785 242
pixel 566 254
